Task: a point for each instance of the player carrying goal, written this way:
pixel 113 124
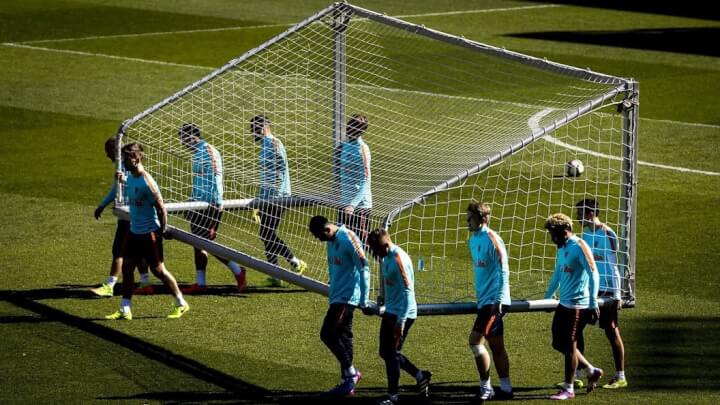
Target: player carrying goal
pixel 207 186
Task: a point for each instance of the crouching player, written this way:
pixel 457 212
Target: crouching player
pixel 577 278
pixel 148 219
pixel 492 290
pixel 400 313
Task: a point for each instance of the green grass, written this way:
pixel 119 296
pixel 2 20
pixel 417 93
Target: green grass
pixel 57 108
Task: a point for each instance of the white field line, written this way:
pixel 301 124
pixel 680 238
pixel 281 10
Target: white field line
pixel 534 124
pixel 487 10
pixel 102 55
pixel 146 34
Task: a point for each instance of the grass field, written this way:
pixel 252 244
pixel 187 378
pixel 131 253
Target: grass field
pixel 74 69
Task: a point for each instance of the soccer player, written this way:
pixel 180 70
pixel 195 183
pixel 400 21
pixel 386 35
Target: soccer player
pixel 492 290
pixel 349 288
pixel 207 186
pixel 121 232
pixel 577 278
pixel 352 170
pixel 148 220
pixel 400 313
pixel 274 183
pixel 604 244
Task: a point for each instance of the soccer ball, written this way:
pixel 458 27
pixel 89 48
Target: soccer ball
pixel 574 168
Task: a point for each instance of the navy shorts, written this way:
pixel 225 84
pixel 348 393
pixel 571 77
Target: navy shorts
pixel 489 325
pixel 122 233
pixel 148 246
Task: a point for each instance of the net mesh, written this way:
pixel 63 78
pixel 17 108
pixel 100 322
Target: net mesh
pixel 436 110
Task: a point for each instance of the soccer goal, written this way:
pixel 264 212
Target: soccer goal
pixel 450 121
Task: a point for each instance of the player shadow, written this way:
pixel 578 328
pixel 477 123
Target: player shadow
pixel 674 353
pixel 701 9
pixel 27 301
pixel 688 40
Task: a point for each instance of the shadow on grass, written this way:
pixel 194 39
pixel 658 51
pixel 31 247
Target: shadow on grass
pixel 675 353
pixel 682 40
pixel 25 300
pixel 81 291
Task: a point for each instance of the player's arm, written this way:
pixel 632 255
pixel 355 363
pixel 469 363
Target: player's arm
pixel 503 269
pixel 360 261
pixel 405 307
pixel 554 282
pixel 588 263
pixel 110 197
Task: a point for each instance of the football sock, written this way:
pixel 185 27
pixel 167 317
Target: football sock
pixel 125 305
pixel 200 277
pixel 485 383
pixel 111 280
pixel 569 388
pixel 179 300
pixel 419 375
pixel 620 375
pixel 295 262
pixel 349 372
pixel 505 384
pixel 145 278
pixel 236 269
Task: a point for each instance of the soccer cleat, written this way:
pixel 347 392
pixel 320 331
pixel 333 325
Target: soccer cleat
pixel 346 388
pixel 241 281
pixel 103 291
pixel 120 315
pixel 194 289
pixel 178 311
pixel 562 395
pixel 423 384
pixel 486 393
pixel 388 400
pixel 501 395
pixel 593 379
pixel 144 289
pixel 301 267
pixel 274 282
pixel 615 384
pixel 577 384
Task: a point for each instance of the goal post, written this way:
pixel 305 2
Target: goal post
pixel 451 121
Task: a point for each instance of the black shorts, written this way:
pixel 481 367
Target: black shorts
pixel 487 324
pixel 388 340
pixel 205 223
pixel 568 324
pixel 122 233
pixel 608 315
pixel 148 246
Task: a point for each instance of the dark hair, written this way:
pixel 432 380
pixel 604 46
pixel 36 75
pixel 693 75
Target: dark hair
pixel 110 144
pixel 376 235
pixel 133 149
pixel 588 204
pixel 356 126
pixel 258 122
pixel 481 210
pixel 317 224
pixel 189 129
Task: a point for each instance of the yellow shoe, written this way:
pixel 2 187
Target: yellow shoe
pixel 120 315
pixel 615 384
pixel 178 311
pixel 103 291
pixel 576 385
pixel 301 267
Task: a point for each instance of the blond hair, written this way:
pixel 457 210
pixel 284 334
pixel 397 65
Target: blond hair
pixel 558 220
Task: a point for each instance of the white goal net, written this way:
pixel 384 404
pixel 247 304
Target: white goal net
pixel 450 121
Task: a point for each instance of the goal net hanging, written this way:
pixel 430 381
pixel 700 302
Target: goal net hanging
pixel 450 121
